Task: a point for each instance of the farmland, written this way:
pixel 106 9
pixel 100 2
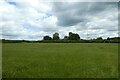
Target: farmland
pixel 60 60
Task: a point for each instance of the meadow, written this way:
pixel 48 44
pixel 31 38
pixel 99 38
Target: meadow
pixel 59 60
pixel 0 60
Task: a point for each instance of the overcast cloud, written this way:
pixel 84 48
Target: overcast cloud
pixel 33 19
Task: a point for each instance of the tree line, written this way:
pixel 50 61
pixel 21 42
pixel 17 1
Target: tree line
pixel 75 38
pixel 71 38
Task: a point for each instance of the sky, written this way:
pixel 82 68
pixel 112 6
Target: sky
pixel 33 19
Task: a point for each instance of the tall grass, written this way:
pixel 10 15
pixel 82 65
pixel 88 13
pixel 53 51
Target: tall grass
pixel 60 60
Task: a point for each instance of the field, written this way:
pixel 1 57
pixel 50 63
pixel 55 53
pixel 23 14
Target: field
pixel 0 60
pixel 60 60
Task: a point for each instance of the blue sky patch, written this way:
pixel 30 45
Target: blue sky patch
pixel 12 3
pixel 30 27
pixel 47 15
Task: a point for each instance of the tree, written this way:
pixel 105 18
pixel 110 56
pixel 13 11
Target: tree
pixel 56 36
pixel 47 38
pixel 66 37
pixel 73 36
pixel 70 33
pixel 99 38
pixel 108 38
pixel 70 36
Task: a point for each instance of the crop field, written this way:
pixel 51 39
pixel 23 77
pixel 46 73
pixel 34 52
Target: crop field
pixel 60 60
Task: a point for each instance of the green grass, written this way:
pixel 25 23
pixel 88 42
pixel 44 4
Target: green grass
pixel 0 60
pixel 60 60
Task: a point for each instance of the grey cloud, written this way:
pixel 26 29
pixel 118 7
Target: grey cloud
pixel 98 18
pixel 10 35
pixel 111 30
pixel 70 14
pixel 67 20
pixel 49 29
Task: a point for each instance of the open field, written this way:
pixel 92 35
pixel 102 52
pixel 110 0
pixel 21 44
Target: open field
pixel 0 60
pixel 60 60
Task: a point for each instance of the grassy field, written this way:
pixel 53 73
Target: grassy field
pixel 60 60
pixel 0 60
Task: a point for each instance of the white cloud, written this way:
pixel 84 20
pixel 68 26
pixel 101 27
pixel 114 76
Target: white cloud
pixel 26 20
pixel 33 19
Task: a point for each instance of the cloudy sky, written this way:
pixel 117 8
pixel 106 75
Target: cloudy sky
pixel 33 19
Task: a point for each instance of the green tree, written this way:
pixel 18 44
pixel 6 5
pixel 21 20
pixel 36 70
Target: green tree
pixel 73 36
pixel 99 38
pixel 47 38
pixel 108 38
pixel 66 38
pixel 56 36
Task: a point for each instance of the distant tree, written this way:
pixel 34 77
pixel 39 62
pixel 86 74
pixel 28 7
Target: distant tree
pixel 56 36
pixel 70 34
pixel 99 38
pixel 108 38
pixel 47 38
pixel 66 37
pixel 73 36
pixel 76 37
